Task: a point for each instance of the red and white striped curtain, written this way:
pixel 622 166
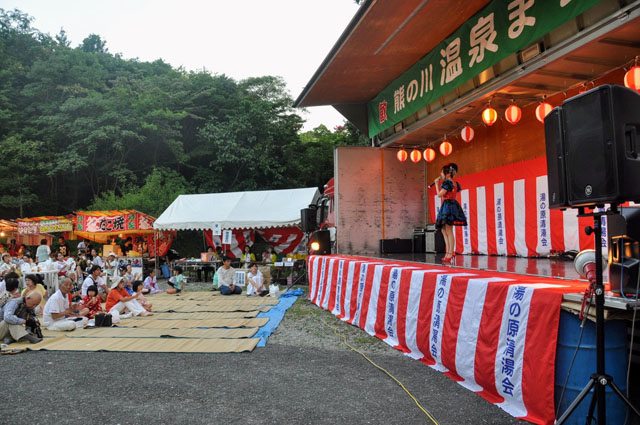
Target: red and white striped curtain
pixel 508 213
pixel 284 240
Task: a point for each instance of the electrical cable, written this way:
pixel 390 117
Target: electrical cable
pixel 344 340
pixel 573 359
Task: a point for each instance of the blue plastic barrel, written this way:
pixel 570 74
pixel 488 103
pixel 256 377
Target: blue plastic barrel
pixel 616 356
pixel 165 271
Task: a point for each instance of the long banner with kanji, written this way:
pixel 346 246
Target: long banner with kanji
pixel 493 333
pixel 500 29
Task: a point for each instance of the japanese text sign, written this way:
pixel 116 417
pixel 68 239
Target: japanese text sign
pixel 500 29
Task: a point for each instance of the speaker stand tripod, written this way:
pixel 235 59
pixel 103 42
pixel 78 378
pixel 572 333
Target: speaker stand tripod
pixel 599 380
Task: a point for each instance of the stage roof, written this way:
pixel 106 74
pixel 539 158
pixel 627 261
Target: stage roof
pixel 237 210
pixel 385 38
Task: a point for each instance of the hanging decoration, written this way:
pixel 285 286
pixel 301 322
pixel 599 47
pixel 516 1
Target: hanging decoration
pixel 467 134
pixel 489 116
pixel 429 154
pixel 445 148
pixel 632 78
pixel 542 111
pixel 416 155
pixel 513 114
pixel 402 155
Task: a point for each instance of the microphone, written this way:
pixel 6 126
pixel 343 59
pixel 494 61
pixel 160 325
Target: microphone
pixel 431 185
pixel 585 264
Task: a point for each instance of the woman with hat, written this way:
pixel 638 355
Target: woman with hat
pixel 119 299
pixel 450 214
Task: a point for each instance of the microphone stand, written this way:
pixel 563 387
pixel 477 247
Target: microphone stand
pixel 599 380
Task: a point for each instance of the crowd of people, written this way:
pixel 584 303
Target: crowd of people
pixel 82 291
pixel 90 285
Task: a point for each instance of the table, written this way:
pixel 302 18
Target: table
pixel 51 281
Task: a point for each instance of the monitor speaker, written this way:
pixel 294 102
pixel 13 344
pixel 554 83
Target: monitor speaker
pixel 592 148
pixel 323 238
pixel 308 219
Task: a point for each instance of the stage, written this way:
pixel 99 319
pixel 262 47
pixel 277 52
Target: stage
pixel 492 324
pixel 540 267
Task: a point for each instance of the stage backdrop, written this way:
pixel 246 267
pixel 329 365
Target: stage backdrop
pixel 508 214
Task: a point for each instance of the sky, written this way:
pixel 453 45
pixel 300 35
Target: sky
pixel 241 39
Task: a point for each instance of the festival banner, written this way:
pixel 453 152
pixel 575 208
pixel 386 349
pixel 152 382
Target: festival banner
pixel 48 224
pixel 498 30
pixel 494 334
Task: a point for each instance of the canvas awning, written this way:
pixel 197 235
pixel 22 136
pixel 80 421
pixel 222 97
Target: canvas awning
pixel 237 210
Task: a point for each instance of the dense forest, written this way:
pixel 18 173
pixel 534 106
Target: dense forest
pixel 82 128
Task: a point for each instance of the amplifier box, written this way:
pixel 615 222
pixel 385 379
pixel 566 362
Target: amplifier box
pixel 396 246
pixel 434 242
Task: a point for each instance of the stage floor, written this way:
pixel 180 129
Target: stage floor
pixel 545 267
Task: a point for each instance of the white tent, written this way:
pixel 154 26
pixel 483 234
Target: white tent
pixel 237 210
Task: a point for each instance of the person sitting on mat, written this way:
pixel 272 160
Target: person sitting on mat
pixel 255 281
pixel 137 290
pixel 92 302
pixel 59 314
pixel 225 278
pixel 19 320
pixel 119 300
pixel 178 281
pixel 151 284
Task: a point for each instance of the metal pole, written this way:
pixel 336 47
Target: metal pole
pixel 600 386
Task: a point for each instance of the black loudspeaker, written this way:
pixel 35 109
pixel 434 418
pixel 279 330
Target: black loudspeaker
pixel 308 219
pixel 323 238
pixel 599 132
pixel 624 250
pixel 556 177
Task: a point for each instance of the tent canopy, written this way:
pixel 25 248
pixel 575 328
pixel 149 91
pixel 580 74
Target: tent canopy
pixel 237 210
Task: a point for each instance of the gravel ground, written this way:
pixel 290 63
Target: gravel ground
pixel 305 375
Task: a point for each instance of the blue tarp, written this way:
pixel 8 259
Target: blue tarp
pixel 276 314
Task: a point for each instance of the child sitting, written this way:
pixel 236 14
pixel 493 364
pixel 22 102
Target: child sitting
pixel 151 284
pixel 92 302
pixel 137 289
pixel 177 284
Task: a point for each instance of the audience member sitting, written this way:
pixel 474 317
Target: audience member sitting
pixel 122 274
pixel 151 284
pixel 255 281
pixel 6 266
pixel 92 302
pixel 61 264
pixel 269 256
pixel 76 287
pixel 178 281
pixel 95 279
pixel 225 278
pixel 111 265
pixel 137 289
pixel 119 300
pixel 96 260
pixel 59 314
pixel 19 322
pixel 33 285
pixel 10 290
pixel 27 266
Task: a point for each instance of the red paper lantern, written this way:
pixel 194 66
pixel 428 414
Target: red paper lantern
pixel 489 116
pixel 467 134
pixel 402 155
pixel 542 111
pixel 429 154
pixel 632 78
pixel 445 148
pixel 513 114
pixel 416 155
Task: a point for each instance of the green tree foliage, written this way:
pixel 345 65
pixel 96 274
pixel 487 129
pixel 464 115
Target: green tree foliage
pixel 83 128
pixel 161 187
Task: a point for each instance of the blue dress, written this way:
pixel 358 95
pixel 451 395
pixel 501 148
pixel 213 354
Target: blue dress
pixel 451 212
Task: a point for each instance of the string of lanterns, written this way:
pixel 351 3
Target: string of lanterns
pixel 512 115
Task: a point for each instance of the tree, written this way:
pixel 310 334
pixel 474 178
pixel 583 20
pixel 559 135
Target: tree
pixel 160 189
pixel 93 44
